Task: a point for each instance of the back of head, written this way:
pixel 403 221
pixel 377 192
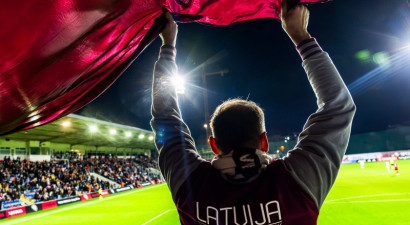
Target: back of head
pixel 237 123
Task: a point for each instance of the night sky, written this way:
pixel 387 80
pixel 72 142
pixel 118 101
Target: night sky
pixel 264 65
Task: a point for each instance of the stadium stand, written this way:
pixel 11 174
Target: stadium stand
pixel 126 171
pixel 25 181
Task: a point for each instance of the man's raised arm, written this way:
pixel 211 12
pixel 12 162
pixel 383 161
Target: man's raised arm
pixel 316 159
pixel 177 154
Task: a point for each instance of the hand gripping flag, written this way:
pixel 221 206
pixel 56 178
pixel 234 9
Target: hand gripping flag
pixel 58 55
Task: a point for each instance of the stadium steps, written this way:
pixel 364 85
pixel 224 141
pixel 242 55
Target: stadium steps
pixel 96 175
pixel 26 200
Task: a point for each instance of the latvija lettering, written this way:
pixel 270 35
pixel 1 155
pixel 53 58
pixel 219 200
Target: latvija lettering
pixel 249 214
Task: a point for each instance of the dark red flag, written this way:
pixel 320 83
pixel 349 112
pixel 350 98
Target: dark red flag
pixel 57 56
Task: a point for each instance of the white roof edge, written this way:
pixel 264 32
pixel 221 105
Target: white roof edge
pixel 107 123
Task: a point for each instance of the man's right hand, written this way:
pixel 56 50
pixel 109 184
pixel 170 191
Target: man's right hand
pixel 295 22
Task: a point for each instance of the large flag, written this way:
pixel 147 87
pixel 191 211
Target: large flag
pixel 58 55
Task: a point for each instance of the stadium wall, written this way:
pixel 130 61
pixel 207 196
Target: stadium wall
pixel 60 146
pixel 18 148
pixel 39 157
pixel 84 147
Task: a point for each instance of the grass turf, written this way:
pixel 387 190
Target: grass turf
pixel 369 196
pixel 360 196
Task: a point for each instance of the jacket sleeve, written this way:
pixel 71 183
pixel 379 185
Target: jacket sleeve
pixel 317 156
pixel 178 157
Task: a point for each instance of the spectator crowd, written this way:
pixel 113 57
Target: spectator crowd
pixel 126 171
pixel 47 180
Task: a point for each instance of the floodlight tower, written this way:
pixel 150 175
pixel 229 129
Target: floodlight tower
pixel 206 107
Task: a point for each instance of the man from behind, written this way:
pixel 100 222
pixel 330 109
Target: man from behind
pixel 242 185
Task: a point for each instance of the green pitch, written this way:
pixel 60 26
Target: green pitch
pixel 369 196
pixel 360 196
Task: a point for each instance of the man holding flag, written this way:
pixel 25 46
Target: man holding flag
pixel 242 185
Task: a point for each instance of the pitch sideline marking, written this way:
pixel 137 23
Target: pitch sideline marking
pixel 368 201
pixel 79 205
pixel 156 217
pixel 365 196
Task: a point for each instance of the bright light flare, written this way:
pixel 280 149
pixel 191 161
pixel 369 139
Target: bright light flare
pixel 390 66
pixel 150 138
pixel 381 58
pixel 179 83
pixel 363 55
pixel 141 136
pixel 113 132
pixel 407 47
pixel 66 124
pixel 93 128
pixel 128 134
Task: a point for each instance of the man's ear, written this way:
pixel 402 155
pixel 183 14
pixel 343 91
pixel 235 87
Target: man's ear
pixel 212 143
pixel 264 142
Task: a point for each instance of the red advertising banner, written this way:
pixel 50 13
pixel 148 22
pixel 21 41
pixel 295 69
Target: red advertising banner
pixel 105 192
pixel 2 215
pixel 95 195
pixel 85 197
pixel 15 212
pixel 49 204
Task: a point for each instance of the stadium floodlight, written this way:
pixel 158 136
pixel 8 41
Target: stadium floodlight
pixel 150 138
pixel 141 136
pixel 178 82
pixel 66 123
pixel 93 128
pixel 128 134
pixel 205 125
pixel 113 131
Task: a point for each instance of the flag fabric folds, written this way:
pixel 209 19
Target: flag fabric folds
pixel 57 56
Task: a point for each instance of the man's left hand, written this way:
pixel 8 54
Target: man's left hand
pixel 169 33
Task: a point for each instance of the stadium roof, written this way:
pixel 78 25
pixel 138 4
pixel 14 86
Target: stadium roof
pixel 79 130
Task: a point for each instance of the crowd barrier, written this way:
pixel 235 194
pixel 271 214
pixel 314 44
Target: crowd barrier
pixel 19 211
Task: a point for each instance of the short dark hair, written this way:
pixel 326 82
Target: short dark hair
pixel 237 123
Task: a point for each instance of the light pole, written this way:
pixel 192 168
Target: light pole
pixel 206 107
pixel 287 139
